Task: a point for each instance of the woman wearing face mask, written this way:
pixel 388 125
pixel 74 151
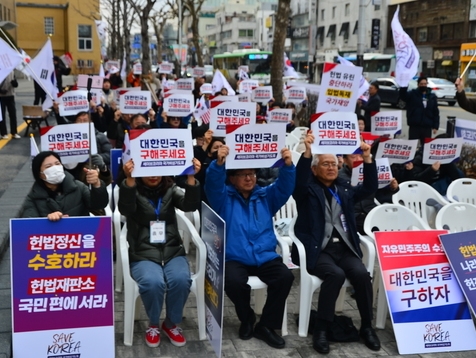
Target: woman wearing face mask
pixel 56 194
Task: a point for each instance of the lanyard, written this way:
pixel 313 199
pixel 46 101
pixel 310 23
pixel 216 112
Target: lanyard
pixel 157 210
pixel 335 195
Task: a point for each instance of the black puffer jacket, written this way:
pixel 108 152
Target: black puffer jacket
pixel 417 114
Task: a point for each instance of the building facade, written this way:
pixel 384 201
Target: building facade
pixel 8 13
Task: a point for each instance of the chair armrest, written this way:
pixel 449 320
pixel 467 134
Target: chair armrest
pixel 368 249
pixel 284 246
pixel 299 245
pixel 124 248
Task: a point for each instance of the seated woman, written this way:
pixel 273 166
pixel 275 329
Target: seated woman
pixel 56 194
pixel 157 256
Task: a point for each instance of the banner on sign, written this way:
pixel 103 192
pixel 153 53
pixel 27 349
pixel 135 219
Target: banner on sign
pixel 70 141
pixel 427 308
pixel 185 84
pixel 262 94
pixel 62 287
pixel 198 71
pixel 389 122
pixel 135 102
pixel 234 113
pixel 397 151
pixel 279 115
pixel 255 145
pixel 118 92
pixel 295 94
pixel 137 68
pixel 384 173
pixel 73 102
pixel 214 236
pixel 443 150
pixel 368 137
pixel 161 152
pixel 166 67
pixel 335 133
pixel 247 86
pixel 244 97
pixel 96 81
pixel 339 88
pixel 179 105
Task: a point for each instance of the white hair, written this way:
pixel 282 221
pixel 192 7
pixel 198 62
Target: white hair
pixel 315 159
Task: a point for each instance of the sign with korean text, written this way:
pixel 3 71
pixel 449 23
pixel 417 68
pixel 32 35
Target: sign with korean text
pixel 185 84
pixel 96 81
pixel 295 94
pixel 384 173
pixel 243 97
pixel 339 88
pixel 427 307
pixel 118 92
pixel 443 150
pixel 247 86
pixel 97 95
pixel 466 129
pixel 169 85
pixel 109 64
pixel 135 102
pixel 262 94
pixel 198 71
pixel 389 122
pixel 62 287
pixel 213 235
pixel 460 248
pixel 368 137
pixel 166 67
pixel 70 141
pixel 73 102
pixel 255 146
pixel 279 115
pixel 206 88
pixel 221 98
pixel 161 152
pixel 335 133
pixel 137 68
pixel 234 113
pixel 179 105
pixel 397 150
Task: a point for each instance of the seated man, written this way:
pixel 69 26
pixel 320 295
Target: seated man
pixel 248 211
pixel 326 227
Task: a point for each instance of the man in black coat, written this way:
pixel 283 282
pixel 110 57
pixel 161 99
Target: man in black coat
pixel 371 106
pixel 326 227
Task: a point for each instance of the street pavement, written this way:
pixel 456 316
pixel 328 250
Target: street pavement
pixel 15 182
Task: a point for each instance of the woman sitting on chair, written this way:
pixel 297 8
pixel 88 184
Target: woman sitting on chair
pixel 157 256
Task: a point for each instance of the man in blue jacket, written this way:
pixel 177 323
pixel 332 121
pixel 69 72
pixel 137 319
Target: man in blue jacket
pixel 326 227
pixel 248 211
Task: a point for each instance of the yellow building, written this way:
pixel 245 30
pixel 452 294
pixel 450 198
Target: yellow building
pixel 7 13
pixel 69 23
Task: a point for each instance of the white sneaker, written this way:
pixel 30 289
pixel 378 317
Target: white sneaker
pixel 16 136
pixel 5 136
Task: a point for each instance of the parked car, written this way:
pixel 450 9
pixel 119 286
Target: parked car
pixel 389 92
pixel 208 70
pixel 444 90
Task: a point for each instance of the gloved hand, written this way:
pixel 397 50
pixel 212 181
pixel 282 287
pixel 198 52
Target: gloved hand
pixel 97 161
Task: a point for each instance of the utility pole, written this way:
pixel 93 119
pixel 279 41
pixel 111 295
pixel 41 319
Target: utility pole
pixel 179 57
pixel 361 34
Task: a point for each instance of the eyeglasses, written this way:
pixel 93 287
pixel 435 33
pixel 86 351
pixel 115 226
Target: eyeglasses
pixel 246 175
pixel 328 164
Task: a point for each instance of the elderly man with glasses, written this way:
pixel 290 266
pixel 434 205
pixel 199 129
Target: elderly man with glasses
pixel 326 226
pixel 248 211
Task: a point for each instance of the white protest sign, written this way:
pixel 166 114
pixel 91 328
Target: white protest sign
pixel 118 92
pixel 221 98
pixel 135 102
pixel 97 95
pixel 443 150
pixel 247 86
pixel 73 102
pixel 388 122
pixel 170 84
pixel 255 146
pixel 397 150
pixel 161 152
pixel 184 84
pixel 279 115
pixel 137 69
pixel 166 67
pixel 179 105
pixel 109 64
pixel 384 173
pixel 339 88
pixel 244 97
pixel 237 113
pixel 335 133
pixel 96 81
pixel 176 91
pixel 262 94
pixel 70 141
pixel 466 129
pixel 206 88
pixel 198 71
pixel 295 95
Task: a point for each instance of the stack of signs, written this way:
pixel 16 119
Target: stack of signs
pixel 443 150
pixel 179 105
pixel 386 123
pixel 397 151
pixel 230 113
pixel 133 102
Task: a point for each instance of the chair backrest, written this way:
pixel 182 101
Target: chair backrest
pixel 456 217
pixel 462 190
pixel 299 132
pixel 416 196
pixel 291 141
pixel 392 217
pixel 33 111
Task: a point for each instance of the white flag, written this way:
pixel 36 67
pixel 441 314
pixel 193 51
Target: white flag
pixel 33 147
pixel 406 53
pixel 123 67
pixel 101 71
pixel 42 69
pixel 243 75
pixel 24 63
pixel 363 86
pixel 219 81
pixel 289 70
pixel 9 59
pixel 126 149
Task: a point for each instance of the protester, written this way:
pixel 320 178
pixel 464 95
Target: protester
pixel 326 227
pixel 56 194
pixel 251 242
pixel 115 78
pixel 60 70
pixel 7 101
pixel 156 253
pixel 371 106
pixel 40 94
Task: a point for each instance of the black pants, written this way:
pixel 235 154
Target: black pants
pixel 8 103
pixel 419 133
pixel 279 280
pixel 336 263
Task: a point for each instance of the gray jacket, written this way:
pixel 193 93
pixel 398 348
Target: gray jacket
pixel 8 86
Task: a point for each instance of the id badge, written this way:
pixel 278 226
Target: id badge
pixel 343 221
pixel 157 232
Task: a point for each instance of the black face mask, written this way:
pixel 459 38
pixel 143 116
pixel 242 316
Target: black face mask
pixel 422 88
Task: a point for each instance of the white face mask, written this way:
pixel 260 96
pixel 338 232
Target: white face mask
pixel 54 174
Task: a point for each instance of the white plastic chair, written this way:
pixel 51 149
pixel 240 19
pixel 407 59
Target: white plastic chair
pixel 291 141
pixel 117 221
pixel 456 217
pixel 414 195
pixel 310 283
pixel 389 217
pixel 462 190
pixel 281 219
pixel 131 289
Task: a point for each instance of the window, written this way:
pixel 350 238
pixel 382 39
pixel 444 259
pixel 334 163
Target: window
pixel 472 29
pixel 347 9
pixel 459 30
pixel 447 32
pixel 245 33
pixel 376 7
pixel 344 30
pixel 320 35
pixel 49 26
pixel 226 34
pixel 8 14
pixel 432 33
pixel 332 33
pixel 323 14
pixel 333 12
pixel 422 34
pixel 85 41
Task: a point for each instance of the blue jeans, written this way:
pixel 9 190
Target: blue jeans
pixel 155 280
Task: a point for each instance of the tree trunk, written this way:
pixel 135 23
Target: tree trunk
pixel 196 40
pixel 144 31
pixel 277 60
pixel 126 39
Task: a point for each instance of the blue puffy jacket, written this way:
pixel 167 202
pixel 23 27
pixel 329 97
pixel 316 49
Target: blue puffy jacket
pixel 250 237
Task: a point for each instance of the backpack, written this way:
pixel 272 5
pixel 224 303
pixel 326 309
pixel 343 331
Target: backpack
pixel 342 329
